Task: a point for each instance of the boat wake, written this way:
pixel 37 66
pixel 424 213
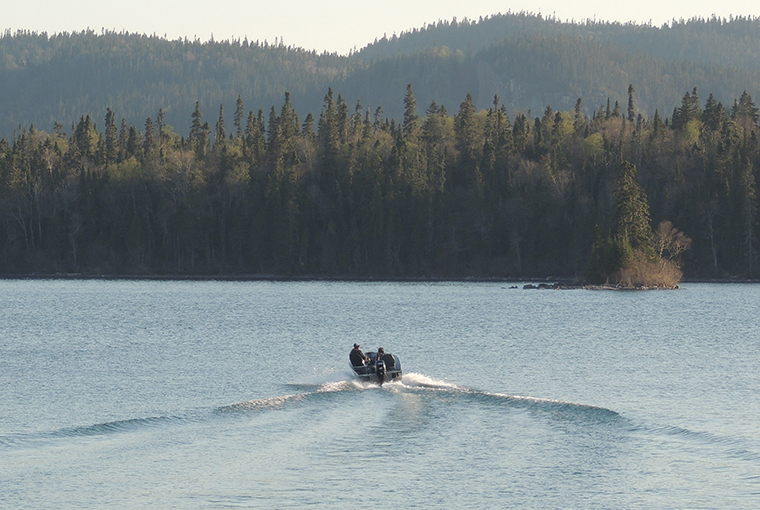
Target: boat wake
pixel 321 386
pixel 420 383
pixel 99 429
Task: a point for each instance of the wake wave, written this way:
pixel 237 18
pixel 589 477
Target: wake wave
pixel 421 381
pixel 117 426
pixel 416 382
pixel 324 385
pixel 99 429
pixel 734 447
pixel 264 403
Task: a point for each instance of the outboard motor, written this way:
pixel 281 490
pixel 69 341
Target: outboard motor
pixel 380 370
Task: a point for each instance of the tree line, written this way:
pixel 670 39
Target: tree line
pixel 355 193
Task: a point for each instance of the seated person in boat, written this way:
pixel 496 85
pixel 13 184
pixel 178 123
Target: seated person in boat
pixel 388 359
pixel 357 357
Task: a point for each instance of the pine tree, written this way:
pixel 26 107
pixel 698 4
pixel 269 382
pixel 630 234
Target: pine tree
pixel 274 133
pixel 149 138
pixel 410 115
pixel 465 129
pixel 123 137
pixel 616 110
pixel 745 111
pixel 579 119
pixel 220 131
pixel 632 221
pixel 289 124
pixel 657 124
pixel 199 132
pixel 377 119
pixel 112 140
pixel 631 112
pixel 688 111
pixel 327 132
pixel 712 115
pixel 468 142
pixel 307 130
pixel 133 143
pixel 521 133
pixel 161 125
pixel 239 116
pixel 341 119
pixel 254 139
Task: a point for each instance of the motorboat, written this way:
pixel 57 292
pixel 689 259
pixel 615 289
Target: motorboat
pixel 387 368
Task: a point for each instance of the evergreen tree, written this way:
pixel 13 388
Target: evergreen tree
pixel 579 119
pixel 112 140
pixel 712 115
pixel 307 130
pixel 198 132
pixel 632 223
pixel 745 111
pixel 123 137
pixel 134 145
pixel 289 124
pixel 161 126
pixel 149 138
pixel 410 115
pixel 521 133
pixel 468 142
pixel 341 119
pixel 220 131
pixel 239 116
pixel 274 134
pixel 254 139
pixel 688 111
pixel 616 110
pixel 657 124
pixel 327 132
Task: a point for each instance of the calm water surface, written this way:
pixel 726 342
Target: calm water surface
pixel 119 394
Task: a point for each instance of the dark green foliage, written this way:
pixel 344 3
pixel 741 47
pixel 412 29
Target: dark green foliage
pixel 688 111
pixel 410 112
pixel 473 194
pixel 632 224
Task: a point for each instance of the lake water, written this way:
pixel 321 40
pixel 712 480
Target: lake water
pixel 146 394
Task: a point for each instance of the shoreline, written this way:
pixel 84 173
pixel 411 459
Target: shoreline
pixel 530 282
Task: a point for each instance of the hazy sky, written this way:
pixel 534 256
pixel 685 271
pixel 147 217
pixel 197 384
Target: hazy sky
pixel 332 25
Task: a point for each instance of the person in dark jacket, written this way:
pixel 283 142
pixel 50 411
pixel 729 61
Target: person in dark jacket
pixel 357 357
pixel 388 359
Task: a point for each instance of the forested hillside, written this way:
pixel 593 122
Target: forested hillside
pixel 46 79
pixel 438 194
pixel 528 60
pixel 732 43
pixel 489 148
pixel 529 71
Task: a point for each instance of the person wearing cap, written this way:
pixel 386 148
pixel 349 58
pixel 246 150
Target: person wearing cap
pixel 357 357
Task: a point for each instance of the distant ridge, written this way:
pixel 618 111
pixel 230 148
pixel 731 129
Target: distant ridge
pixel 529 60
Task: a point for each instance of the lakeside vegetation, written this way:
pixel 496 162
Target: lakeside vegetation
pixel 521 151
pixel 355 193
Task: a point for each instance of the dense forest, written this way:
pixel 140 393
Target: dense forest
pixel 528 60
pixel 353 192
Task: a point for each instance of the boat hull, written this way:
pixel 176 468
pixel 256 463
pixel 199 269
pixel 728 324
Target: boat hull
pixel 369 371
